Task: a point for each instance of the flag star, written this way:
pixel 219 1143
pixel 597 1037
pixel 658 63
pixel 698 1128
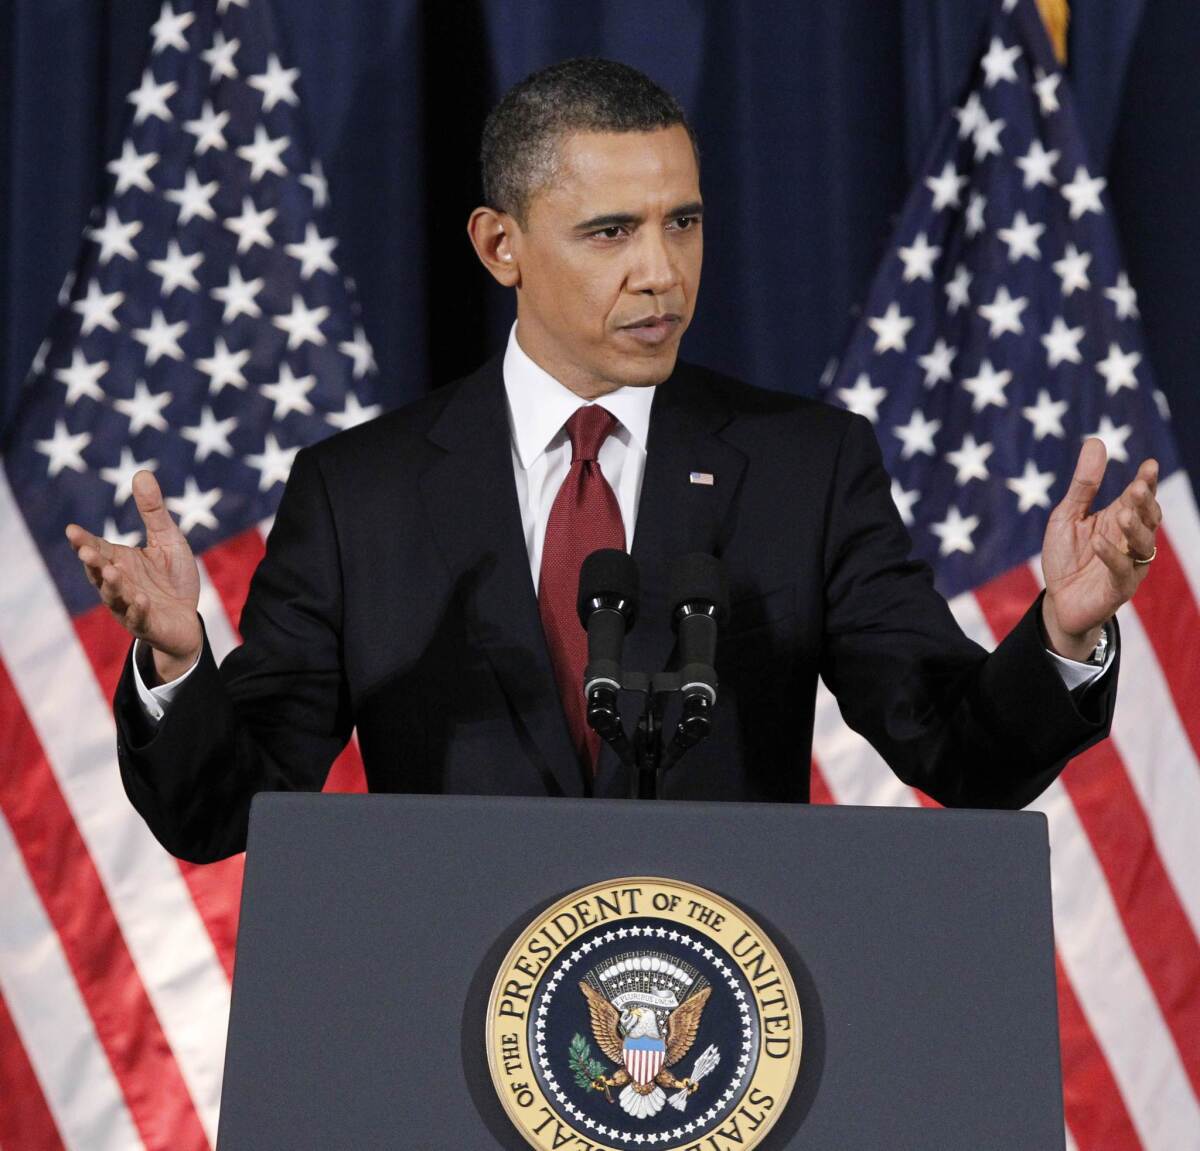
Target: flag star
pixel 946 188
pixel 987 138
pixel 121 474
pixel 974 216
pixel 936 362
pixel 1038 165
pixel 988 387
pixel 970 460
pixel 160 338
pixel 999 63
pixel 891 329
pixel 289 393
pixel 176 269
pixel 150 99
pixel 115 238
pixel 918 259
pixel 273 463
pixel 313 253
pixel 316 183
pixel 194 506
pixel 956 289
pixel 238 296
pixel 353 413
pixel 209 129
pixel 968 117
pixel 1083 193
pixel 1046 88
pixel 223 367
pixel 863 399
pixel 1032 487
pixel 97 309
pixel 125 539
pixel 1117 368
pixel 39 359
pixel 1008 6
pixel 360 351
pixel 223 5
pixel 264 154
pixel 904 504
pixel 193 198
pixel 1114 438
pixel 168 29
pixel 917 435
pixel 251 226
pixel 82 377
pixel 1046 415
pixel 132 169
pixel 64 450
pixel 276 83
pixel 1124 298
pixel 955 532
pixel 1160 401
pixel 144 410
pixel 1072 270
pixel 220 57
pixel 302 323
pixel 210 435
pixel 1021 237
pixel 68 284
pixel 1062 343
pixel 1004 313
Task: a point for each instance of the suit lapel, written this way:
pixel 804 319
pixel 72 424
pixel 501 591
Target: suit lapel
pixel 471 500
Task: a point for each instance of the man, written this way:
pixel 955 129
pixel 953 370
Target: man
pixel 419 580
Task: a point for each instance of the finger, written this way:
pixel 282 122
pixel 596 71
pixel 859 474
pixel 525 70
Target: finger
pixel 1085 483
pixel 79 537
pixel 1148 473
pixel 1116 561
pixel 1139 539
pixel 1140 497
pixel 150 506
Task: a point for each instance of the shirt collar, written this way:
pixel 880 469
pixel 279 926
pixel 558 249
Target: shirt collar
pixel 538 405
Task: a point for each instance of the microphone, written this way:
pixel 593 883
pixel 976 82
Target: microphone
pixel 607 606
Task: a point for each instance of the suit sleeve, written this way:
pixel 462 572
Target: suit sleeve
pixel 966 727
pixel 276 713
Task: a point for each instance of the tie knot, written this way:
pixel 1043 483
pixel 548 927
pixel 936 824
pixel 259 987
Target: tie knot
pixel 588 428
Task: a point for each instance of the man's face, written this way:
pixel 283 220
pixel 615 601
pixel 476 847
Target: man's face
pixel 609 259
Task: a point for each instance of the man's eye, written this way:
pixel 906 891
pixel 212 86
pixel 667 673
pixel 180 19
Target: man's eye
pixel 611 233
pixel 685 223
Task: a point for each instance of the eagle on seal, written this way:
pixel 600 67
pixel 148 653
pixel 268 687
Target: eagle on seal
pixel 631 1039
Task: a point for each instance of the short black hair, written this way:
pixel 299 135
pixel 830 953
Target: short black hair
pixel 521 136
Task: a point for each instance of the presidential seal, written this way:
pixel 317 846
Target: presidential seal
pixel 643 1012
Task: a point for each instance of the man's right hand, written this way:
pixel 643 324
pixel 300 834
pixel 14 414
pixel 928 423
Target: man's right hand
pixel 153 591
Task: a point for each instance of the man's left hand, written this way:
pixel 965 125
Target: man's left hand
pixel 1089 559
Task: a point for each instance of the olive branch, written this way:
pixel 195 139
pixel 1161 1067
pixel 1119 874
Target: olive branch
pixel 580 1061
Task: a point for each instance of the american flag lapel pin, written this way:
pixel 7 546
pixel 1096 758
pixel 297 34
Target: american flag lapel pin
pixel 703 478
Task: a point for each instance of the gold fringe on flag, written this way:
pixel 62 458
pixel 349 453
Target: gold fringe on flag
pixel 1056 15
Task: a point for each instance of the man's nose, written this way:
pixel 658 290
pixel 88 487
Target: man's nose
pixel 654 269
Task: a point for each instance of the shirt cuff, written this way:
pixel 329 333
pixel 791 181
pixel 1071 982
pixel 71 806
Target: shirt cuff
pixel 154 700
pixel 1075 674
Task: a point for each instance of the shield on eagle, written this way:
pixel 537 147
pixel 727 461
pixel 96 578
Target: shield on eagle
pixel 644 1058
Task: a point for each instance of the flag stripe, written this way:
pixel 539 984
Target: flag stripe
pixel 818 789
pixel 1182 520
pixel 29 1125
pixel 53 677
pixel 230 565
pixel 52 1021
pixel 75 902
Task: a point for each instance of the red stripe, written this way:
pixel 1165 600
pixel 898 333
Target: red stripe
pixel 1092 1102
pixel 75 901
pixel 1115 822
pixel 347 772
pixel 230 565
pixel 25 1120
pixel 818 786
pixel 1171 620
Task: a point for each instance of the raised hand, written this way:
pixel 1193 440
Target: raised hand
pixel 1094 562
pixel 153 590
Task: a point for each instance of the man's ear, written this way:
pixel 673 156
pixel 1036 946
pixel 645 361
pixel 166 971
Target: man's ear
pixel 491 234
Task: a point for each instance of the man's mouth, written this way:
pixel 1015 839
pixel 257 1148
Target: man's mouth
pixel 653 329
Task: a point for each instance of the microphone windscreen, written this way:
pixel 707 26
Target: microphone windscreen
pixel 609 574
pixel 699 578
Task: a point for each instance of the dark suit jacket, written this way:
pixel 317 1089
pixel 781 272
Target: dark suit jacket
pixel 395 597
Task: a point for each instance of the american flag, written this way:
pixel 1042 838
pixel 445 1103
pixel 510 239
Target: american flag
pixel 1001 329
pixel 207 333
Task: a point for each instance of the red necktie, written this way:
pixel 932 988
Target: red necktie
pixel 585 516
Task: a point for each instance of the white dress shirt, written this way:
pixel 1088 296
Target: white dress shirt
pixel 538 408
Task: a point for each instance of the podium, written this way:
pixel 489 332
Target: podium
pixel 372 928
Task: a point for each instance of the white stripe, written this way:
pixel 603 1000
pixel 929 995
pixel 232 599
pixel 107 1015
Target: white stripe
pixel 165 934
pixel 52 1019
pixel 1071 1145
pixel 1182 524
pixel 217 625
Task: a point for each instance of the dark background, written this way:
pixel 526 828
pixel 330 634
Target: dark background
pixel 813 117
